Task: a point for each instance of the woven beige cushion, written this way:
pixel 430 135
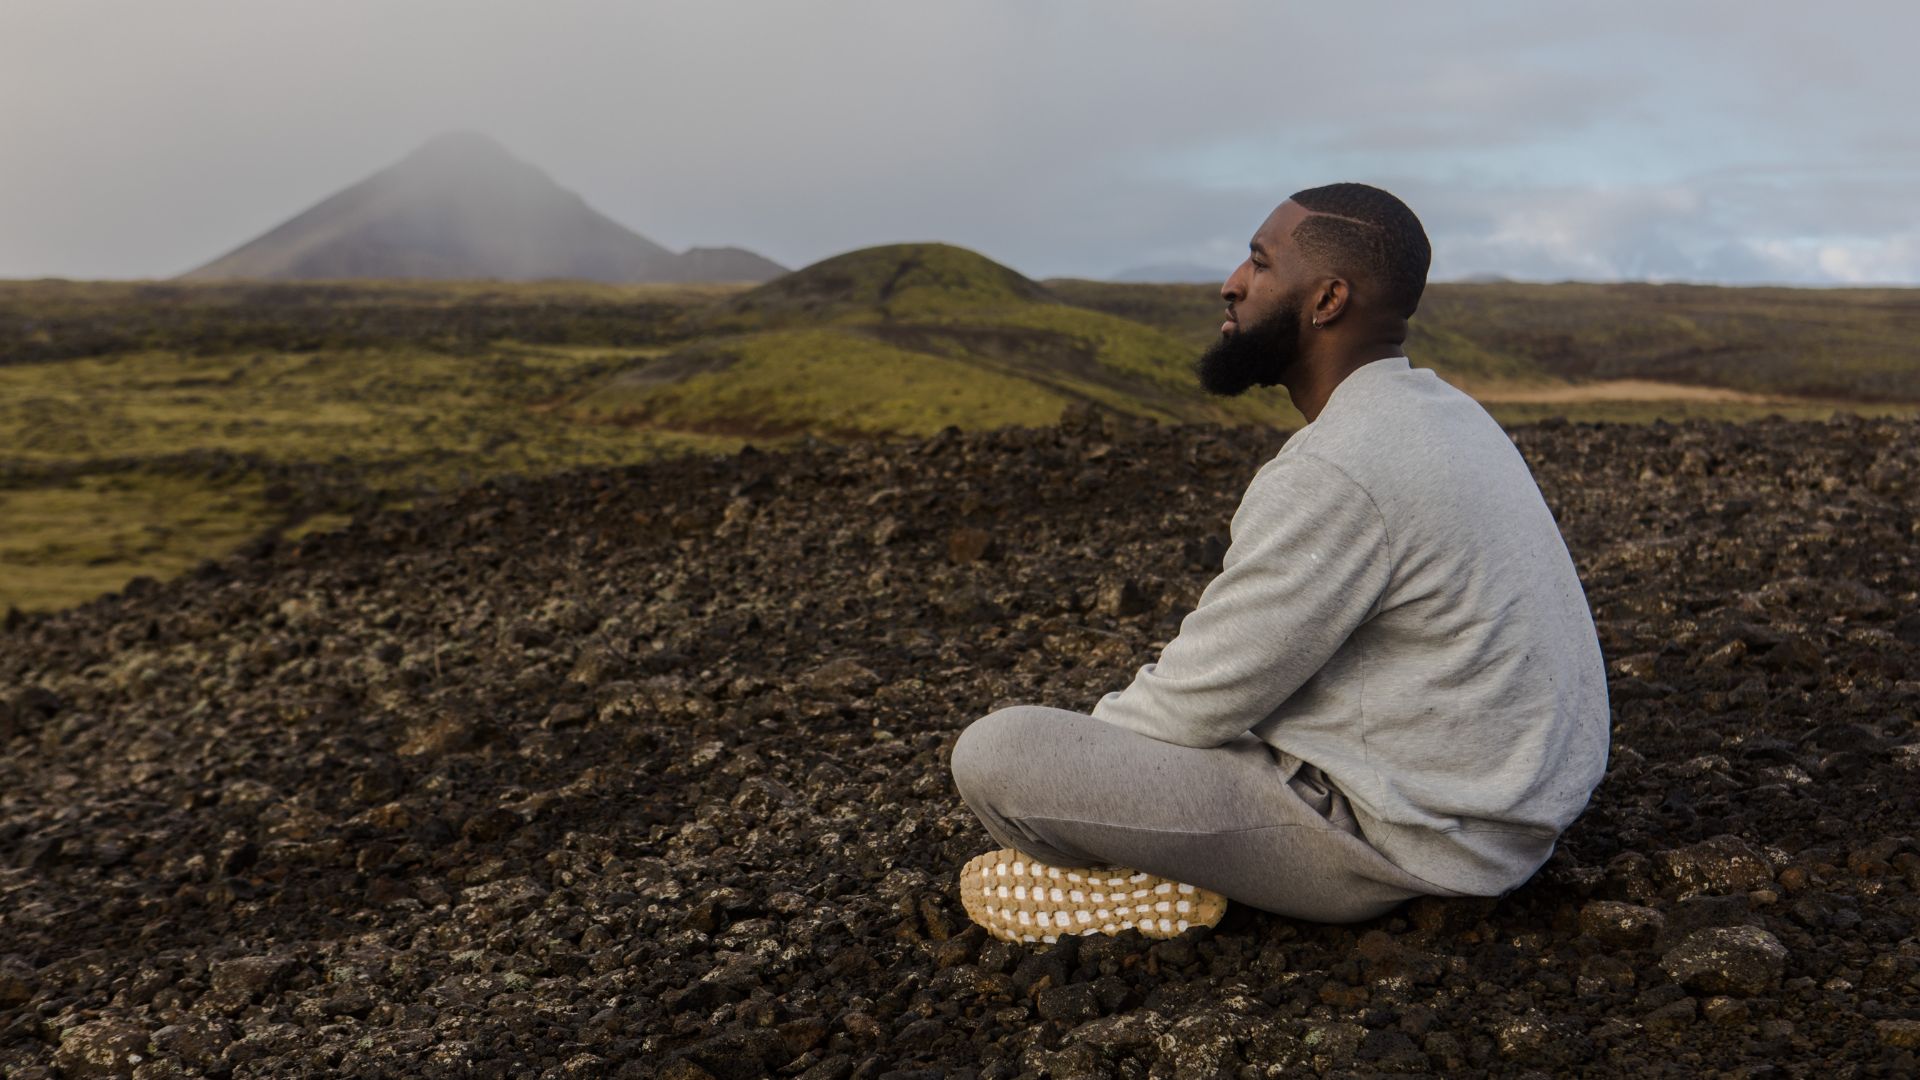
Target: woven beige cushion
pixel 1018 898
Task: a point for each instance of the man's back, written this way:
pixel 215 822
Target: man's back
pixel 1401 612
pixel 1484 702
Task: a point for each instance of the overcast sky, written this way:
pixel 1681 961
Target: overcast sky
pixel 1736 142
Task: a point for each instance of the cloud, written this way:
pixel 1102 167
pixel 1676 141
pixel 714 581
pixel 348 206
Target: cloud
pixel 1732 230
pixel 1882 261
pixel 1629 139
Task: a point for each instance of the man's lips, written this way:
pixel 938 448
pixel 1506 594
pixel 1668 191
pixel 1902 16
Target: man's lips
pixel 1230 325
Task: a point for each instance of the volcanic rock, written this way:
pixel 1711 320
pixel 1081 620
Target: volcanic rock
pixel 628 800
pixel 1740 960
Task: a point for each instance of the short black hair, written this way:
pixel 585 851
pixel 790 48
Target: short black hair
pixel 1363 231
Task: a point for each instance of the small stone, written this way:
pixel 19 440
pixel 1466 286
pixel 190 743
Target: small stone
pixel 1342 996
pixel 1118 1034
pixel 1176 952
pixel 597 665
pixel 491 825
pixel 1393 1050
pixel 377 785
pixel 439 735
pixel 393 816
pixel 1523 1037
pixel 970 545
pixel 198 1043
pixel 1737 960
pixel 1794 654
pixel 1725 1011
pixel 1873 859
pixel 1071 1004
pixel 843 676
pixel 733 976
pixel 1122 598
pixel 1902 1034
pixel 1701 913
pixel 953 952
pixel 740 1055
pixel 1074 1061
pixel 1391 964
pixel 255 976
pixel 802 1035
pixel 920 1034
pixel 1199 1045
pixel 1621 926
pixel 1672 1015
pixel 565 715
pixel 831 1067
pixel 1333 1044
pixel 16 983
pixel 101 1048
pixel 862 1026
pixel 1722 864
pixel 683 1069
pixel 1444 1047
pixel 1434 915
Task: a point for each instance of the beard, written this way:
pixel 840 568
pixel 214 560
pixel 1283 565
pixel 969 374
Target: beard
pixel 1256 355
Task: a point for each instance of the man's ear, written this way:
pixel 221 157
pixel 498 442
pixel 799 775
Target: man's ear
pixel 1330 301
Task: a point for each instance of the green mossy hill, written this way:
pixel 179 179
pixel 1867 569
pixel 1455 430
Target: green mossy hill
pixel 905 340
pixel 897 282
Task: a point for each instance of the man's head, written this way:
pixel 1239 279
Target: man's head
pixel 1333 270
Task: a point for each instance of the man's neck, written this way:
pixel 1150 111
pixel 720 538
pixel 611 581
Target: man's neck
pixel 1317 380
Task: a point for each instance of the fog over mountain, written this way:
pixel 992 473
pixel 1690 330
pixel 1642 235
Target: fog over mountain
pixel 462 206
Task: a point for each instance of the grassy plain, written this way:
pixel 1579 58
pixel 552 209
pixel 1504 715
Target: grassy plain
pixel 145 426
pixel 1842 344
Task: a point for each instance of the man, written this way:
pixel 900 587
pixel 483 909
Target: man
pixel 1393 688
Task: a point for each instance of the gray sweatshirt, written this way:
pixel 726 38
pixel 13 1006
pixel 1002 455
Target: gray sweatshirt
pixel 1397 607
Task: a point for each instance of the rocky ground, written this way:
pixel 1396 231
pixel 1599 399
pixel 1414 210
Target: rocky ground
pixel 643 772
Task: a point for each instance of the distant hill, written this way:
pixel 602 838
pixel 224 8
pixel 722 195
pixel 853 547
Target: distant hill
pixel 907 339
pixel 1853 344
pixel 1174 274
pixel 894 281
pixel 462 206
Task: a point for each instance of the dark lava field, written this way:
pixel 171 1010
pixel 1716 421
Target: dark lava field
pixel 643 772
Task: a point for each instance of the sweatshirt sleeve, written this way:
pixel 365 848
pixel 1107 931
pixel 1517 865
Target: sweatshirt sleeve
pixel 1307 563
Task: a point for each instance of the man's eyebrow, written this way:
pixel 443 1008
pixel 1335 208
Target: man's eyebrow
pixel 1256 247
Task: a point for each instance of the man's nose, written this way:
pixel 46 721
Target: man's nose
pixel 1231 292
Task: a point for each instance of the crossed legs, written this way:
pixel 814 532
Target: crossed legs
pixel 1071 790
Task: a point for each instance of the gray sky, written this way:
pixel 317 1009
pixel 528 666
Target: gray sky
pixel 1676 140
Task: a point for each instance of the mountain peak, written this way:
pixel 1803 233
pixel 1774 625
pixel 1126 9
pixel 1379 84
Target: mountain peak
pixel 461 205
pixel 463 141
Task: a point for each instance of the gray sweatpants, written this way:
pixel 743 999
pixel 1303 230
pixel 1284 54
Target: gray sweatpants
pixel 1071 790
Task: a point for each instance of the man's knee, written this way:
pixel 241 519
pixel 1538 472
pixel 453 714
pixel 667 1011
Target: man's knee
pixel 981 747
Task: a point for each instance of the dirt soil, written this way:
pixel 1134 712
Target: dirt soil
pixel 1613 390
pixel 643 772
